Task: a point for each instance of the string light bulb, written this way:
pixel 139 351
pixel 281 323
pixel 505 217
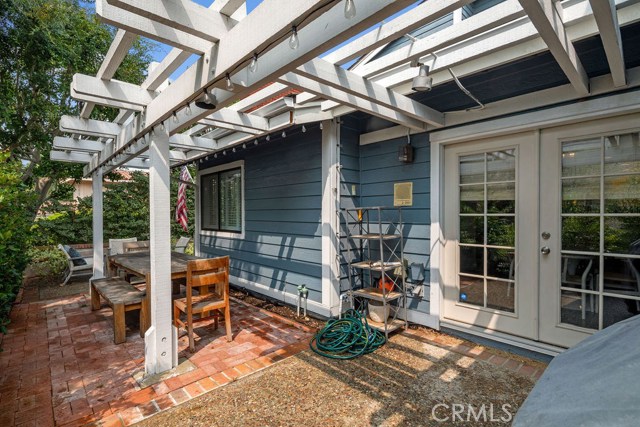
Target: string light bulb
pixel 294 42
pixel 230 85
pixel 215 156
pixel 268 137
pixel 255 142
pixel 253 65
pixel 244 145
pixel 321 127
pixel 349 9
pixel 304 128
pixel 188 110
pixel 175 117
pixel 284 134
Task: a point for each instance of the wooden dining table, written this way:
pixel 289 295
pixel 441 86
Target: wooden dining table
pixel 139 264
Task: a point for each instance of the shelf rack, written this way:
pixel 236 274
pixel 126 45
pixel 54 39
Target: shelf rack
pixel 375 251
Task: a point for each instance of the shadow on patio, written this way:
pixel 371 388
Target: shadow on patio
pixel 60 365
pixel 399 384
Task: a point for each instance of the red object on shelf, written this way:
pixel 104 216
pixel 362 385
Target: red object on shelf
pixel 388 284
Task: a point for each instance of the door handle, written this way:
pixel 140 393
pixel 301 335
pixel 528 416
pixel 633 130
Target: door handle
pixel 545 250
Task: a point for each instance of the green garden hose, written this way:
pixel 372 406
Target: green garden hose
pixel 347 338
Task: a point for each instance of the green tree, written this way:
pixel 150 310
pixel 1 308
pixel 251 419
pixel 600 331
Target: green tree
pixel 43 43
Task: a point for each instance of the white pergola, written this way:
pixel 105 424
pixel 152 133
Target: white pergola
pixel 245 60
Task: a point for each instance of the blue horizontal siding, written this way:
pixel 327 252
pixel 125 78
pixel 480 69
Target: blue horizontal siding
pixel 281 248
pixel 378 172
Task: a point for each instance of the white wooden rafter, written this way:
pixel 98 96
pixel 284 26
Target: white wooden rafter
pixel 606 16
pixel 546 17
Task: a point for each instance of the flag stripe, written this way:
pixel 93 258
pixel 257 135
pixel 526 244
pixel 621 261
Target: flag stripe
pixel 181 204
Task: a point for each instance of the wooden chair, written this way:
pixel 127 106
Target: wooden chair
pixel 140 246
pixel 182 244
pixel 116 246
pixel 211 278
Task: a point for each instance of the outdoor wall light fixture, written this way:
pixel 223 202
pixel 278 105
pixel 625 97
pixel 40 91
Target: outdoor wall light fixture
pixel 230 85
pixel 349 9
pixel 294 42
pixel 422 82
pixel 207 101
pixel 253 66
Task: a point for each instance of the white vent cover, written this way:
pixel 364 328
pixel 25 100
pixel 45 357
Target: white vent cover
pixel 403 194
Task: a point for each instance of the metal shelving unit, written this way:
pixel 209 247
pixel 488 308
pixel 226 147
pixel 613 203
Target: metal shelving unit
pixel 375 250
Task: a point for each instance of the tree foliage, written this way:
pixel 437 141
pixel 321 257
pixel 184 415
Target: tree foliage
pixel 126 214
pixel 43 43
pixel 15 221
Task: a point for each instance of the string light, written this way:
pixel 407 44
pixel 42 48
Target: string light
pixel 255 142
pixel 175 117
pixel 321 127
pixel 253 66
pixel 188 110
pixel 294 42
pixel 349 9
pixel 206 158
pixel 284 134
pixel 268 137
pixel 304 129
pixel 215 156
pixel 224 152
pixel 230 85
pixel 162 125
pixel 244 145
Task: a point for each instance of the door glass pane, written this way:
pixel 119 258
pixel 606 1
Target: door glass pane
pixel 500 263
pixel 472 169
pixel 581 195
pixel 471 290
pixel 472 229
pixel 618 309
pixel 579 309
pixel 501 295
pixel 501 230
pixel 472 199
pixel 472 260
pixel 581 234
pixel 622 234
pixel 581 158
pixel 501 198
pixel 621 276
pixel 622 194
pixel 579 271
pixel 622 153
pixel 501 166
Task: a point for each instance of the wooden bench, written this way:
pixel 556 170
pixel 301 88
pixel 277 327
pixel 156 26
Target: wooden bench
pixel 121 297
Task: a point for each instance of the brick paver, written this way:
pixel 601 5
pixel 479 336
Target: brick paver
pixel 60 365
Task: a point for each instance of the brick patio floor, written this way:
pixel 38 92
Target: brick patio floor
pixel 60 365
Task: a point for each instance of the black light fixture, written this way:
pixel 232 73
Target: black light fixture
pixel 405 151
pixel 422 82
pixel 207 101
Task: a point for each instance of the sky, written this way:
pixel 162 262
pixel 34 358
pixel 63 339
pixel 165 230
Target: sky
pixel 162 49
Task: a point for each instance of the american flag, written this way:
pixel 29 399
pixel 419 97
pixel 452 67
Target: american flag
pixel 181 204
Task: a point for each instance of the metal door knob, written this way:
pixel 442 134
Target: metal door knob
pixel 545 250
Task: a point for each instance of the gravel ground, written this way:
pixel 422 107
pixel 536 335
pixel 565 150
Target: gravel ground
pixel 398 385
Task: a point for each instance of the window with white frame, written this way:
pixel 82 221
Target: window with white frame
pixel 221 200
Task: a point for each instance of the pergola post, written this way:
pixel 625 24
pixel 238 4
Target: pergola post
pixel 98 234
pixel 330 212
pixel 160 339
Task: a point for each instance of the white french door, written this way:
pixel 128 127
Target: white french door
pixel 490 272
pixel 590 228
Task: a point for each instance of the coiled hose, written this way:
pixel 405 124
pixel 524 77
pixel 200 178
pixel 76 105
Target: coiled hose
pixel 347 338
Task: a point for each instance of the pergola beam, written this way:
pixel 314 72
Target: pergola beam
pixel 227 7
pixel 154 30
pixel 89 127
pixel 85 145
pixel 118 50
pixel 110 90
pixel 331 93
pixel 546 17
pixel 604 11
pixel 349 82
pixel 398 27
pixel 183 15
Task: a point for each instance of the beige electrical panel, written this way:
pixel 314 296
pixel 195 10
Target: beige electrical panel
pixel 403 194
